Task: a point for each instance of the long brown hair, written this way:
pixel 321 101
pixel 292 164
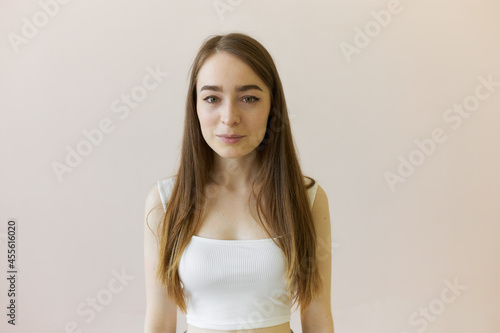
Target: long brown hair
pixel 279 187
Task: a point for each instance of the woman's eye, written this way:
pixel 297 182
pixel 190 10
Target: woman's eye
pixel 250 99
pixel 210 99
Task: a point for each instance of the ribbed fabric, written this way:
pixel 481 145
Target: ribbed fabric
pixel 290 331
pixel 233 284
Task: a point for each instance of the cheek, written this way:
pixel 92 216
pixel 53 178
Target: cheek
pixel 206 118
pixel 263 119
pixel 202 114
pixel 259 124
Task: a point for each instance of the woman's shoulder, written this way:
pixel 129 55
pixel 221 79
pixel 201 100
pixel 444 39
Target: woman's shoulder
pixel 154 209
pixel 165 186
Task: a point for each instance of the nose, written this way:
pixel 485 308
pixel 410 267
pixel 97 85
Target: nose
pixel 230 114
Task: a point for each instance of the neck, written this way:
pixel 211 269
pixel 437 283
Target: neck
pixel 235 174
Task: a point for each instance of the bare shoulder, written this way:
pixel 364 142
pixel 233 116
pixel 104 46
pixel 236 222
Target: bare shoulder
pixel 153 198
pixel 321 199
pixel 321 213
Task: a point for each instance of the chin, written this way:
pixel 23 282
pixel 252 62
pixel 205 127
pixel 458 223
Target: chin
pixel 230 155
pixel 232 152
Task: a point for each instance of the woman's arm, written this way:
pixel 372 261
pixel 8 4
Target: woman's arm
pixel 317 317
pixel 161 313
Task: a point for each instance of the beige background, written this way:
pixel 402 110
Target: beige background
pixel 396 250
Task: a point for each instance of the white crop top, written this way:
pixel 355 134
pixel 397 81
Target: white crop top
pixel 233 284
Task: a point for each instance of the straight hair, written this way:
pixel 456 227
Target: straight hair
pixel 279 188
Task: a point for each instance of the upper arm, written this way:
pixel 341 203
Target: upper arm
pixel 161 313
pixel 317 317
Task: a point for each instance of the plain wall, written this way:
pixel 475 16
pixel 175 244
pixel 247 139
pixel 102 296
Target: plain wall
pixel 374 100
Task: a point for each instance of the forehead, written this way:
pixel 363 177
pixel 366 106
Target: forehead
pixel 227 70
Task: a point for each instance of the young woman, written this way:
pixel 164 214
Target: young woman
pixel 238 235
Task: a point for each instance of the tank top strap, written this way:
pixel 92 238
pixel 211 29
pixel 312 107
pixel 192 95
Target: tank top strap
pixel 165 187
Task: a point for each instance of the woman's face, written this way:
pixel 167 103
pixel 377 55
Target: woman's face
pixel 231 100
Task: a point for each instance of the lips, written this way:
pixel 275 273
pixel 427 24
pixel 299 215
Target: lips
pixel 231 136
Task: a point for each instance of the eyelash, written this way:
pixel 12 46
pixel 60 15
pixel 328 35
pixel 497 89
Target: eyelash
pixel 255 99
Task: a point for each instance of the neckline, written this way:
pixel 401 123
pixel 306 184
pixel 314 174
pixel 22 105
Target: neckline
pixel 234 240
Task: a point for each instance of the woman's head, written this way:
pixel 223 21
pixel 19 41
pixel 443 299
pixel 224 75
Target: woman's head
pixel 231 99
pixel 224 64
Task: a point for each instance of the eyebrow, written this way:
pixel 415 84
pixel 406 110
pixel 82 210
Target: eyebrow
pixel 237 89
